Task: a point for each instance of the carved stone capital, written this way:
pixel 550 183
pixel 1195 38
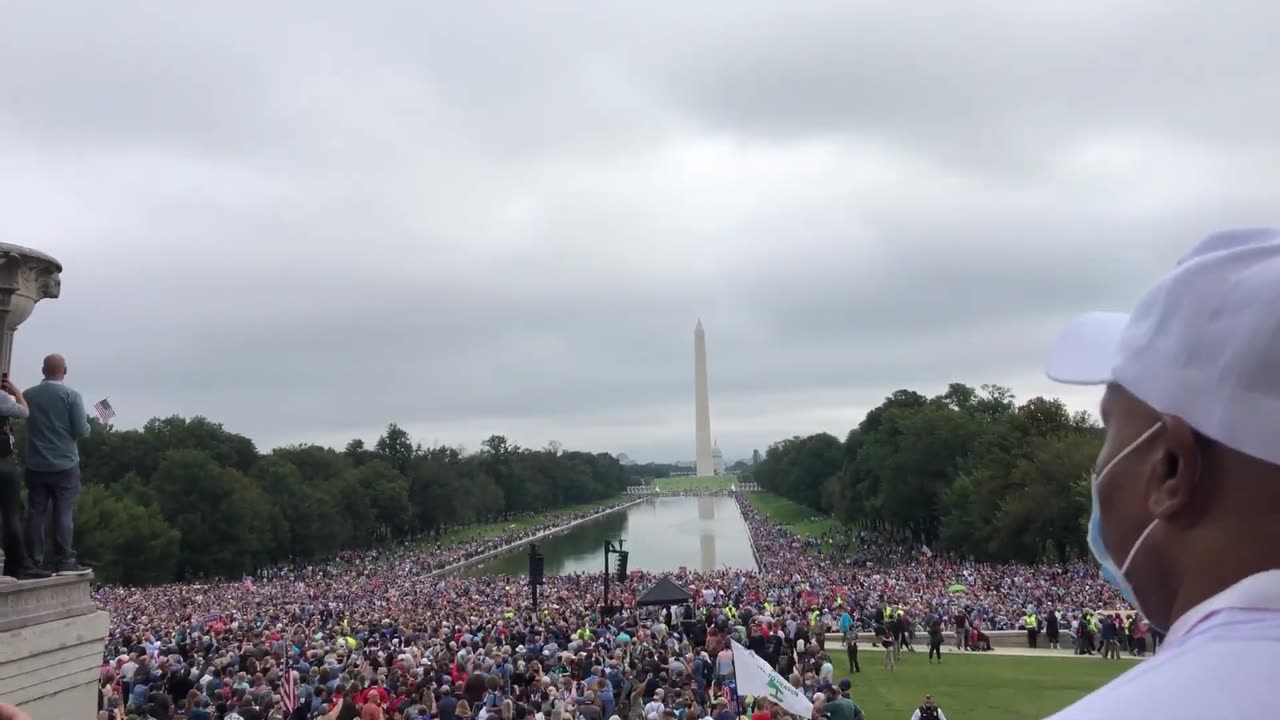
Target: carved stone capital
pixel 26 277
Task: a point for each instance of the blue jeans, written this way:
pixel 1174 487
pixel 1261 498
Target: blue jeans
pixel 61 489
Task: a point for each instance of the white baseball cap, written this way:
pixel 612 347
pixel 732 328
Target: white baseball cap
pixel 1202 344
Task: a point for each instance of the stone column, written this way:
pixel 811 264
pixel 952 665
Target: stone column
pixel 26 277
pixel 703 464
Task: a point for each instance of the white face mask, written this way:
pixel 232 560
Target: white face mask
pixel 1111 571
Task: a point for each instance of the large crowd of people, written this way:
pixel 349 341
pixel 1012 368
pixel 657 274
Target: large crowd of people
pixel 875 569
pixel 375 635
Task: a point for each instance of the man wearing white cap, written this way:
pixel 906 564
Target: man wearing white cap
pixel 1186 490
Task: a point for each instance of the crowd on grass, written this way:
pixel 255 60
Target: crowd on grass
pixel 868 569
pixel 369 635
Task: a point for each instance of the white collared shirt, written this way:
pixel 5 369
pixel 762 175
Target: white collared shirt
pixel 10 408
pixel 1218 661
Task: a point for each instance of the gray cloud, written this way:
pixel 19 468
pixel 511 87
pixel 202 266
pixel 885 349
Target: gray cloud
pixel 307 220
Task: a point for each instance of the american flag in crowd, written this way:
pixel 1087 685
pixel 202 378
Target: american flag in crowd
pixel 288 692
pixel 104 410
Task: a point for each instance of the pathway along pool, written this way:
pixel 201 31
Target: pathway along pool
pixel 662 535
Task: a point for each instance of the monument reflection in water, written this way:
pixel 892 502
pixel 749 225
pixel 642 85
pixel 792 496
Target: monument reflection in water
pixel 662 535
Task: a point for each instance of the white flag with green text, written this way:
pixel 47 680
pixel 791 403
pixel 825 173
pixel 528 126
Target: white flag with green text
pixel 753 676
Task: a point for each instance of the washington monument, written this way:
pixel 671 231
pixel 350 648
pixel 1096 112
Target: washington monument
pixel 702 420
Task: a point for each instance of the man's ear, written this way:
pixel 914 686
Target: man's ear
pixel 1172 485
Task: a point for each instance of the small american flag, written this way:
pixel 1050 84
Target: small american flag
pixel 104 410
pixel 288 692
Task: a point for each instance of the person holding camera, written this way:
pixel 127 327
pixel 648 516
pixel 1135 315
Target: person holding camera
pixel 16 567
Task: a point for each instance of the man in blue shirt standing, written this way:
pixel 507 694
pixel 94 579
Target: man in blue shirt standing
pixel 56 422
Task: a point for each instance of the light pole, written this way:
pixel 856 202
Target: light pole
pixel 536 570
pixel 609 548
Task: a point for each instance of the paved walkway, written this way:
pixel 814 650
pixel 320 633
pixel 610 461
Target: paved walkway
pixel 836 652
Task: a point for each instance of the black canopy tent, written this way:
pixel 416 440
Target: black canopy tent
pixel 665 592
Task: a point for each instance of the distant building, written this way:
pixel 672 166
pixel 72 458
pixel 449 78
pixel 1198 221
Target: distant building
pixel 717 459
pixel 683 468
pixel 755 457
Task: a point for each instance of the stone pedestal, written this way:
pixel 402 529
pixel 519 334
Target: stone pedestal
pixel 51 640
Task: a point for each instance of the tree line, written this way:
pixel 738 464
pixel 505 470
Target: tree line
pixel 186 498
pixel 969 471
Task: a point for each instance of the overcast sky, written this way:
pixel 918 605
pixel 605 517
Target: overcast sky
pixel 305 220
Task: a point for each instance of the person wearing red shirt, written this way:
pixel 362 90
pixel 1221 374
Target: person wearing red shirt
pixel 762 710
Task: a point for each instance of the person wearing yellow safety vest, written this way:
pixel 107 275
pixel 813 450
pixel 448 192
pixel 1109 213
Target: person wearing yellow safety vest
pixel 1088 634
pixel 818 631
pixel 1032 625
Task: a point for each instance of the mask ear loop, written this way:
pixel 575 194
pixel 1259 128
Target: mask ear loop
pixel 1133 445
pixel 1138 543
pixel 1134 550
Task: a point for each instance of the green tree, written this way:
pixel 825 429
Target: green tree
pixel 967 470
pixel 308 514
pixel 387 493
pixel 223 447
pixel 214 510
pixel 396 448
pixel 497 455
pixel 357 453
pixel 438 490
pixel 125 541
pixel 215 506
pixel 801 467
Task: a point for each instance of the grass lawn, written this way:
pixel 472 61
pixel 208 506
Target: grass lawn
pixel 799 519
pixel 685 484
pixel 991 687
pixel 494 529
